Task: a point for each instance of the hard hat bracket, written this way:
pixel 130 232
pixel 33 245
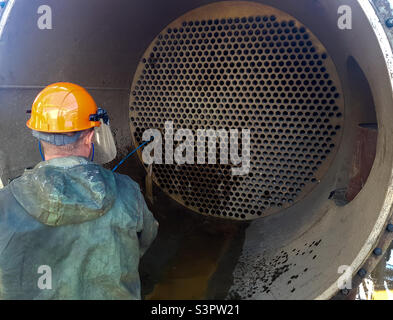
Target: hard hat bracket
pixel 101 114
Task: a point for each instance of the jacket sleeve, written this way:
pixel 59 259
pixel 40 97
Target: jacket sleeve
pixel 148 226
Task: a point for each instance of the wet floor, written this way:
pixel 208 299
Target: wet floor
pixel 193 256
pixel 189 272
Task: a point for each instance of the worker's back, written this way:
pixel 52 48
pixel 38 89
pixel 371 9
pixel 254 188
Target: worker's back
pixel 87 224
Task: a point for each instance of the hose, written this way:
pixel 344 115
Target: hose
pixel 129 155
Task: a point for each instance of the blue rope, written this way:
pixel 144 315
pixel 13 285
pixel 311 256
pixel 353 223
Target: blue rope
pixel 130 154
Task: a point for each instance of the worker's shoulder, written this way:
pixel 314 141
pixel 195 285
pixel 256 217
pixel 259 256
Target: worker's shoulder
pixel 5 192
pixel 129 194
pixel 124 181
pixel 7 199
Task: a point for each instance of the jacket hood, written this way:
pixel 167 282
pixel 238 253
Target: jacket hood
pixel 65 191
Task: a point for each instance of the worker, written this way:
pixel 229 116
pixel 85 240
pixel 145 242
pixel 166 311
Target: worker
pixel 70 229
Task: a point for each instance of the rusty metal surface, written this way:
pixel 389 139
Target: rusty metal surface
pixel 363 159
pixel 242 65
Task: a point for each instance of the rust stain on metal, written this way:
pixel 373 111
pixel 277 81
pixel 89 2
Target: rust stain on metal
pixel 363 159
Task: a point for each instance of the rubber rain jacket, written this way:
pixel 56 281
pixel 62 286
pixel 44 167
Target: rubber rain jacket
pixel 70 229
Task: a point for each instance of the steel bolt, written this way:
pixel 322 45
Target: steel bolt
pixel 389 227
pixel 389 22
pixel 362 273
pixel 377 251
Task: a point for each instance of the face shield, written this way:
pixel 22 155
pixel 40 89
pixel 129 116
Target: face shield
pixel 104 143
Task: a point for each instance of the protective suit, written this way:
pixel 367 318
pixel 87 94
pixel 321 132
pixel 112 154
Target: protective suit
pixel 88 225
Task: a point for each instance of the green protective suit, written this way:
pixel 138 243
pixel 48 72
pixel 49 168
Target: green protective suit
pixel 70 229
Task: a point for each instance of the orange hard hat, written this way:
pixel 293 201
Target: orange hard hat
pixel 63 107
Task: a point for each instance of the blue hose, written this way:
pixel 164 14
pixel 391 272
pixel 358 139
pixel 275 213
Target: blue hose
pixel 129 155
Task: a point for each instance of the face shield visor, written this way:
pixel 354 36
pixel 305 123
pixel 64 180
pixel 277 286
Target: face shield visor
pixel 104 143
